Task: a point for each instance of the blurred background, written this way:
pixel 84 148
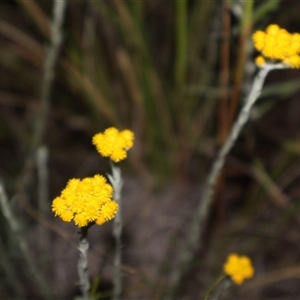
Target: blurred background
pixel 175 73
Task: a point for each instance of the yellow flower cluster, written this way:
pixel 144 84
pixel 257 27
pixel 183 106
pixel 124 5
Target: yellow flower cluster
pixel 114 143
pixel 238 268
pixel 85 201
pixel 277 44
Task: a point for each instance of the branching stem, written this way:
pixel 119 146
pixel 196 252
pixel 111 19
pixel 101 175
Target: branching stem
pixel 208 191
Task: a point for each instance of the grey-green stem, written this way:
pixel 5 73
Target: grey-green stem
pixel 117 183
pixel 82 266
pixel 206 199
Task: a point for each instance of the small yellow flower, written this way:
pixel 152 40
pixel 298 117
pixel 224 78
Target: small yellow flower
pixel 114 143
pixel 86 201
pixel 238 268
pixel 277 44
pixel 260 61
pixel 272 29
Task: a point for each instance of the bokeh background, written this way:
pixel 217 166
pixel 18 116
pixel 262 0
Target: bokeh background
pixel 175 73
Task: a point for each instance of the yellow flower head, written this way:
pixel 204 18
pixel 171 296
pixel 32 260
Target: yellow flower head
pixel 85 201
pixel 277 44
pixel 238 268
pixel 114 143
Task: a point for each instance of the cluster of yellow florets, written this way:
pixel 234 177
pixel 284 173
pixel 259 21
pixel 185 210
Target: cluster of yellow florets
pixel 277 44
pixel 114 143
pixel 85 201
pixel 89 200
pixel 238 268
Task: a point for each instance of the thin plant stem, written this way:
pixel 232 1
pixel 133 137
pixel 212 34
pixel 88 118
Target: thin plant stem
pixel 48 76
pixel 43 204
pixel 206 199
pixel 50 63
pixel 82 267
pixel 213 287
pixel 117 183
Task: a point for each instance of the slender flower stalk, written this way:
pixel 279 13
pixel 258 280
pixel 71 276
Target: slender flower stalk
pixel 220 284
pixel 83 246
pixel 43 243
pixel 51 59
pixel 114 144
pixel 117 183
pixel 279 49
pixel 208 191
